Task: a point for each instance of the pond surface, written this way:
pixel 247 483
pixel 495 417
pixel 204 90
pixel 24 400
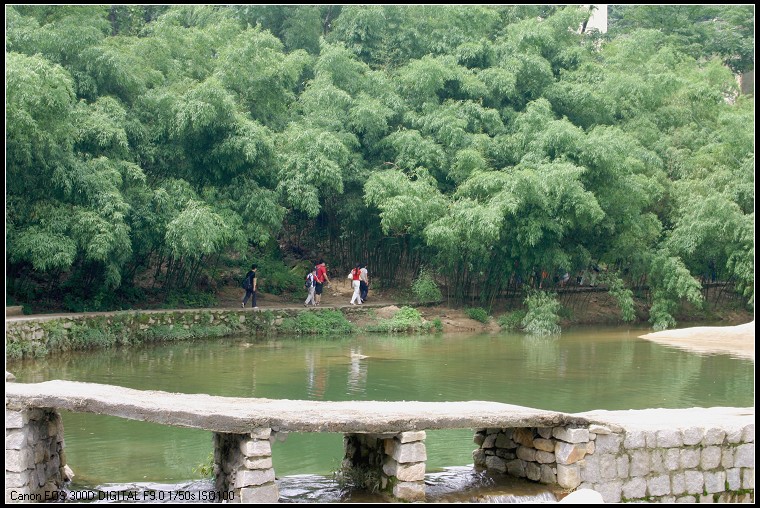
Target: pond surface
pixel 580 370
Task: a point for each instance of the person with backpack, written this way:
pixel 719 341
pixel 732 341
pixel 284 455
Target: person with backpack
pixel 310 285
pixel 355 276
pixel 249 284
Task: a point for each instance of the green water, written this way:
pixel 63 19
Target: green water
pixel 580 370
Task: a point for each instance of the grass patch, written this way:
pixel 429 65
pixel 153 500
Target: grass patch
pixel 406 319
pixel 318 323
pixel 358 478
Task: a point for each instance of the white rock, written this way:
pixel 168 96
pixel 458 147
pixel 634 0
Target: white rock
pixel 583 496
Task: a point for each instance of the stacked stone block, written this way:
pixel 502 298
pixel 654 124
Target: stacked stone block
pixel 696 464
pixel 400 457
pixel 243 466
pixel 34 457
pixel 668 465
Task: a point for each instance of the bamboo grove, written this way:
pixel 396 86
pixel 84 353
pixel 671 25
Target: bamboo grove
pixel 481 143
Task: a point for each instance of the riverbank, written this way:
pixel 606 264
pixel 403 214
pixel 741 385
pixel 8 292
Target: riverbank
pixel 381 313
pixel 580 306
pixel 735 340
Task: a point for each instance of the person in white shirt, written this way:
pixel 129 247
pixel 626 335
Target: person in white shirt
pixel 311 279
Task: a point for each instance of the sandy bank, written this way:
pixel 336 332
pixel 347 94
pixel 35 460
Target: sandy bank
pixel 734 340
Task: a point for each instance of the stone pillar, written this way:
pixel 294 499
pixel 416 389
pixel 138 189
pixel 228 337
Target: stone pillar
pixel 527 452
pixel 395 461
pixel 243 466
pixel 35 464
pixel 404 465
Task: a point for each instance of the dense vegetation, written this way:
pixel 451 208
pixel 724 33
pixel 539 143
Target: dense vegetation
pixel 156 148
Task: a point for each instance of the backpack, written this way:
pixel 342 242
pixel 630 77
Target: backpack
pixel 309 281
pixel 246 283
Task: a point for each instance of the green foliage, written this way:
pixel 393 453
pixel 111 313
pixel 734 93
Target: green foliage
pixel 512 320
pixel 478 314
pixel 660 314
pixel 406 319
pixel 15 350
pixel 324 322
pixel 190 299
pixel 355 477
pixel 154 142
pixel 275 278
pixel 255 66
pixel 406 203
pixel 197 231
pixel 425 289
pixel 623 295
pixel 670 282
pixel 541 318
pixel 205 469
pixel 312 163
pixel 700 30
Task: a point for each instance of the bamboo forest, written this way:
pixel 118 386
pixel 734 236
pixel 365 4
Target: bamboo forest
pixel 158 150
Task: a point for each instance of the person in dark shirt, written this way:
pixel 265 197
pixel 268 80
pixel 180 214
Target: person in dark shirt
pixel 250 287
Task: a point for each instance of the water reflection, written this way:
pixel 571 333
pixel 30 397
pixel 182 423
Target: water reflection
pixel 316 375
pixel 581 370
pixel 541 352
pixel 357 374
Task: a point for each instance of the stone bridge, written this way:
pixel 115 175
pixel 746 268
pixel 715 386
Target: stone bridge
pixel 660 455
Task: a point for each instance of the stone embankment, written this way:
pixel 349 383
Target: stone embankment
pixel 36 336
pixel 692 455
pixel 657 455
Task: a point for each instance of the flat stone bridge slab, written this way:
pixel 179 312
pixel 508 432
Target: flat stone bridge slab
pixel 239 415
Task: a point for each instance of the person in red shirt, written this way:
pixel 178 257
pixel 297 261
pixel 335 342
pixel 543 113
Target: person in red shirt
pixel 355 276
pixel 320 280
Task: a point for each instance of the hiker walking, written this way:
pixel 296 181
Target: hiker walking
pixel 321 279
pixel 249 284
pixel 310 284
pixel 355 276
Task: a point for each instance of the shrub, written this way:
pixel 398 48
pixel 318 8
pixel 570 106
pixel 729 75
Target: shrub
pixel 190 299
pixel 512 320
pixel 406 319
pixel 275 278
pixel 542 318
pixel 358 477
pixel 425 288
pixel 478 314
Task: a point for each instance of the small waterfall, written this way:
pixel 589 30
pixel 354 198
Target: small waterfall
pixel 542 497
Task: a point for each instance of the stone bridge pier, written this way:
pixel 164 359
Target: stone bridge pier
pixel 243 466
pixel 396 461
pixel 35 464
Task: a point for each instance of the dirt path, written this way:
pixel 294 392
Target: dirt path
pixel 735 340
pixel 601 309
